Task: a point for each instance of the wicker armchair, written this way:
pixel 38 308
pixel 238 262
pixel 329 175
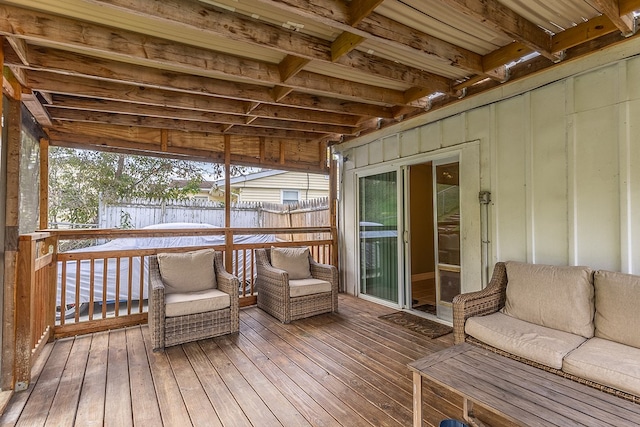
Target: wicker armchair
pixel 274 290
pixel 167 331
pixel 487 301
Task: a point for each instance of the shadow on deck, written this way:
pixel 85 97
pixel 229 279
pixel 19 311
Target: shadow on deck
pixel 345 369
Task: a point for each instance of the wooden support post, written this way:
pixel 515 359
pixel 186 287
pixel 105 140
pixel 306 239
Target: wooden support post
pixel 24 312
pixel 333 207
pixel 44 183
pixel 13 121
pixel 228 236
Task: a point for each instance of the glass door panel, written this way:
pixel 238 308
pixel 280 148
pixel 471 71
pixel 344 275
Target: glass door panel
pixel 378 220
pixel 448 229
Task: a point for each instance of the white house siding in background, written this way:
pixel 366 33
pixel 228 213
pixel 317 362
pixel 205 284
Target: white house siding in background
pixel 269 188
pixel 561 158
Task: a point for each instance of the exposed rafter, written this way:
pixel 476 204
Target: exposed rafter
pixel 95 39
pixel 624 22
pixel 275 81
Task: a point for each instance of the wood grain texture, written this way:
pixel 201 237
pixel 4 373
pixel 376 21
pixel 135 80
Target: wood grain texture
pixel 344 369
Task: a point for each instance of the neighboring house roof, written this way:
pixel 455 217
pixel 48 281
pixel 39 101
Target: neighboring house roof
pixel 249 177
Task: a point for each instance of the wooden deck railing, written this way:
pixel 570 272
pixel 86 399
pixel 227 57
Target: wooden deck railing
pixel 95 290
pixel 35 297
pixel 45 277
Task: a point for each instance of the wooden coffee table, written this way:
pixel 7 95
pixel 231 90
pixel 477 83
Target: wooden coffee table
pixel 515 392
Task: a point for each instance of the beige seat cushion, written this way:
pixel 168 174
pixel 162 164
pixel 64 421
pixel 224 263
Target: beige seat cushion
pixel 294 261
pixel 617 301
pixel 181 304
pixel 559 297
pixel 302 287
pixel 608 363
pixel 533 342
pixel 187 271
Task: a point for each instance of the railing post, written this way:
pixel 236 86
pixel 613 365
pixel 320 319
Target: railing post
pixel 50 304
pixel 23 311
pixel 333 209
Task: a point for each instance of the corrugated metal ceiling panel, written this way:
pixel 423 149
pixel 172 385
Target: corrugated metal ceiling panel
pixel 352 75
pixel 422 62
pixel 444 23
pixel 553 16
pixel 277 17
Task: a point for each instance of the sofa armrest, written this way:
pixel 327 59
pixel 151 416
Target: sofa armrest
pixel 228 283
pixel 330 274
pixel 225 281
pixel 487 301
pixel 323 271
pixel 156 310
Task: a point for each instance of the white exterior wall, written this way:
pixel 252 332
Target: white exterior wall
pixel 269 189
pixel 274 195
pixel 561 160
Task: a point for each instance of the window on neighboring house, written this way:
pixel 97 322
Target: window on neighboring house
pixel 290 197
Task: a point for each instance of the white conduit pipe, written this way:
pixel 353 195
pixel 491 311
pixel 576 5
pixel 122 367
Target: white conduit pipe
pixel 485 198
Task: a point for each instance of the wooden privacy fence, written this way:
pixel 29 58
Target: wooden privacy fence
pixel 139 213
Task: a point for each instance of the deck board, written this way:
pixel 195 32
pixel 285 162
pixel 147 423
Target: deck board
pixel 90 410
pixel 118 393
pixel 144 412
pixel 344 369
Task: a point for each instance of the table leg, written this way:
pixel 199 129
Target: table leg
pixel 417 400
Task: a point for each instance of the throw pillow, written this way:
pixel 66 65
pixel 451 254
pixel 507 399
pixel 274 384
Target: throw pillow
pixel 558 297
pixel 294 261
pixel 617 302
pixel 187 271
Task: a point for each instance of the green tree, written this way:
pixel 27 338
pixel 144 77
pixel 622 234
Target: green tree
pixel 79 179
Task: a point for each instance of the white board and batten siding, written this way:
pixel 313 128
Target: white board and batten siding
pixel 562 163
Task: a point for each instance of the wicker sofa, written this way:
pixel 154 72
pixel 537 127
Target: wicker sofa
pixel 568 320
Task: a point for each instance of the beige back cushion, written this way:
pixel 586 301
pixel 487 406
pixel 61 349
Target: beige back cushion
pixel 294 261
pixel 617 307
pixel 558 297
pixel 187 271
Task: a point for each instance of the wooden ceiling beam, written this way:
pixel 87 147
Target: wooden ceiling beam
pixel 122 107
pixel 610 8
pixel 628 6
pixel 581 33
pixel 344 43
pixel 19 46
pixel 247 30
pixel 290 66
pixel 84 66
pixel 208 148
pixel 35 107
pixel 143 120
pixel 360 9
pixel 98 40
pixel 279 92
pixel 84 87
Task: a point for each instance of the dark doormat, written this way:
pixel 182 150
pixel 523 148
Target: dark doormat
pixel 418 324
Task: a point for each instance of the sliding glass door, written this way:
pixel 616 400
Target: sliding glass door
pixel 378 228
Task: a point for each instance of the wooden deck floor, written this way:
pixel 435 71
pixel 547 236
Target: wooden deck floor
pixel 345 369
